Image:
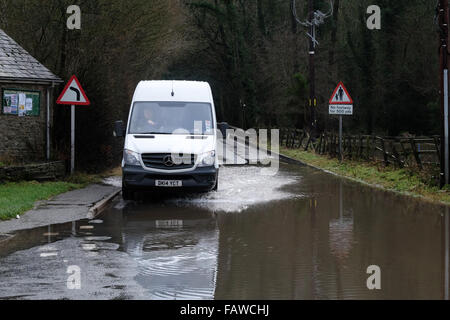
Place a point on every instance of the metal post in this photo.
(72, 144)
(341, 156)
(48, 124)
(447, 253)
(341, 203)
(446, 140)
(443, 43)
(312, 85)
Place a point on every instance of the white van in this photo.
(170, 139)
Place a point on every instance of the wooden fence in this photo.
(398, 151)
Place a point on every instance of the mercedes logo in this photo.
(168, 161)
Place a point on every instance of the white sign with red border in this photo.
(341, 103)
(73, 94)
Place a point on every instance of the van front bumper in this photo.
(136, 178)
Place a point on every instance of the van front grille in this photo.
(168, 161)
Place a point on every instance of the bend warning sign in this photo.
(340, 102)
(73, 94)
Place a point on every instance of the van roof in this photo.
(183, 91)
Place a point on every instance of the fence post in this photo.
(383, 146)
(336, 145)
(307, 143)
(294, 136)
(368, 148)
(288, 137)
(320, 143)
(396, 155)
(374, 147)
(416, 154)
(360, 147)
(349, 148)
(299, 135)
(329, 143)
(438, 149)
(405, 153)
(330, 147)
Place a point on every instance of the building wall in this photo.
(24, 139)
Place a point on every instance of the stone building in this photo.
(27, 97)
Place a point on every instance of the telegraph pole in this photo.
(315, 19)
(444, 92)
(312, 71)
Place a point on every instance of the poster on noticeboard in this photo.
(20, 102)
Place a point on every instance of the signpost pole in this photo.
(72, 144)
(74, 95)
(443, 41)
(446, 128)
(341, 156)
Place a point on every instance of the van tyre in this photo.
(127, 194)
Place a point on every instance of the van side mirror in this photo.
(119, 129)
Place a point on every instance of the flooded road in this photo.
(302, 234)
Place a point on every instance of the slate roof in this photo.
(17, 64)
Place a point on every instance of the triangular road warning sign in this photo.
(341, 95)
(73, 94)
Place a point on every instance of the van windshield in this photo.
(172, 118)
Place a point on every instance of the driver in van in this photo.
(149, 116)
(147, 122)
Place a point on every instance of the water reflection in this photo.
(176, 250)
(341, 231)
(447, 253)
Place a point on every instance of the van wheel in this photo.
(127, 194)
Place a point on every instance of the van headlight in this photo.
(207, 159)
(131, 158)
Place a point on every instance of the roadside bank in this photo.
(67, 207)
(19, 197)
(404, 181)
(16, 198)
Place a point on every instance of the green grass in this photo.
(17, 198)
(406, 181)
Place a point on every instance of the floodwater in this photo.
(302, 234)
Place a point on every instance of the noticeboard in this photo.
(21, 102)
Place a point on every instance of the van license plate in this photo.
(163, 224)
(169, 183)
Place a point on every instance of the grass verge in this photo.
(18, 198)
(406, 181)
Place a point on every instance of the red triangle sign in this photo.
(73, 94)
(341, 95)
